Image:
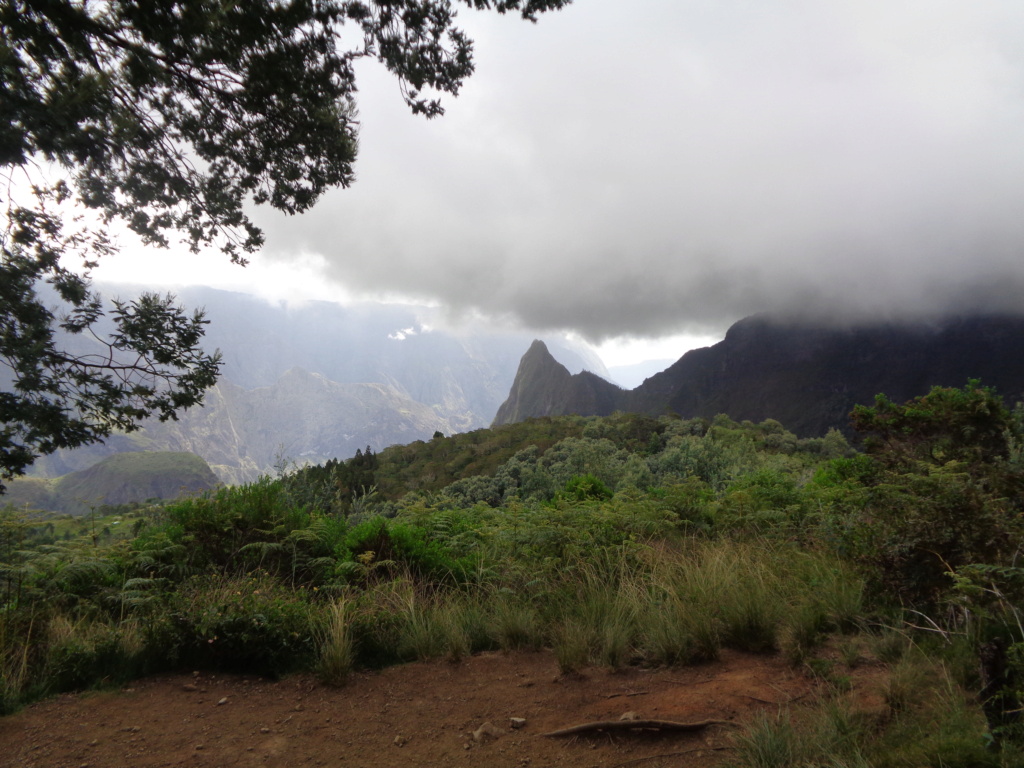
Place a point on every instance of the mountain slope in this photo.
(808, 377)
(122, 478)
(303, 417)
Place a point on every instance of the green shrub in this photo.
(243, 624)
(585, 488)
(408, 547)
(86, 653)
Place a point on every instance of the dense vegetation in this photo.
(613, 541)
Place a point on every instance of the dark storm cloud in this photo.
(652, 167)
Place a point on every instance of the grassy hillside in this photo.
(31, 493)
(433, 465)
(123, 478)
(615, 541)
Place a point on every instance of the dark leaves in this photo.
(150, 365)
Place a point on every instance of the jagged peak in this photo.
(538, 349)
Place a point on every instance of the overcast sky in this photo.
(660, 167)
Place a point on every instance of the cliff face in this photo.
(544, 387)
(807, 377)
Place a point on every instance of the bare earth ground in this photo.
(420, 714)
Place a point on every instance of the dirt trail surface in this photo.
(421, 714)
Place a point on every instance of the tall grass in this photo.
(335, 644)
(434, 626)
(770, 741)
(931, 721)
(830, 735)
(17, 639)
(739, 593)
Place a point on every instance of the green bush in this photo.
(241, 624)
(81, 662)
(585, 488)
(408, 547)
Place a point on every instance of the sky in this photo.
(643, 174)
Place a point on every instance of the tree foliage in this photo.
(971, 425)
(151, 364)
(169, 118)
(942, 490)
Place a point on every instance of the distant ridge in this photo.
(310, 382)
(806, 376)
(123, 478)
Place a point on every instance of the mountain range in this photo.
(307, 383)
(807, 376)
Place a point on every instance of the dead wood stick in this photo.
(628, 725)
(626, 693)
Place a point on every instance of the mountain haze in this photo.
(310, 382)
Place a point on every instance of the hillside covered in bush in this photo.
(620, 540)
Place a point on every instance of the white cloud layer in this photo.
(665, 166)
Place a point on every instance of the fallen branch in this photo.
(630, 725)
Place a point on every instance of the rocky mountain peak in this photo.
(806, 375)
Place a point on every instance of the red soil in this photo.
(420, 714)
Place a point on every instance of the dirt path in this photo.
(419, 714)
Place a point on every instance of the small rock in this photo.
(517, 722)
(264, 729)
(222, 702)
(400, 741)
(466, 745)
(631, 715)
(199, 746)
(189, 687)
(487, 731)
